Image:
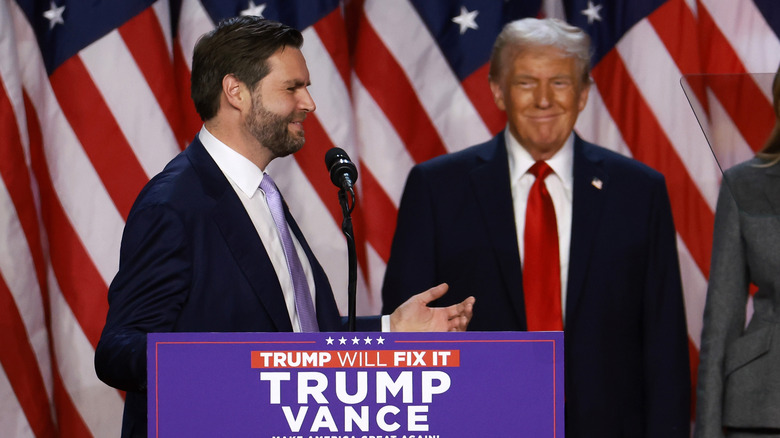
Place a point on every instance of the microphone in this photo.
(343, 173)
(342, 170)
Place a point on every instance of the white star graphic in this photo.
(380, 341)
(342, 340)
(592, 12)
(466, 20)
(367, 340)
(253, 10)
(329, 340)
(54, 15)
(355, 341)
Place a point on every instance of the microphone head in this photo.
(340, 166)
(333, 155)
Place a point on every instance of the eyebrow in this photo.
(297, 83)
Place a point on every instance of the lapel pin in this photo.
(597, 183)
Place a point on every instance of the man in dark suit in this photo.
(209, 246)
(613, 278)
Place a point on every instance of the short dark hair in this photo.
(240, 46)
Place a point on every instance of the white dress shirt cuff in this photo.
(385, 323)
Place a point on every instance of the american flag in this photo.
(94, 100)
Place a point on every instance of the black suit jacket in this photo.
(626, 345)
(191, 261)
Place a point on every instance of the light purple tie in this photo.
(303, 303)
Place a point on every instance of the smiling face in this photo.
(280, 102)
(542, 93)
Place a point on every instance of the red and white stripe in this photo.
(67, 216)
(26, 386)
(66, 187)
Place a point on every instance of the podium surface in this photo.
(360, 384)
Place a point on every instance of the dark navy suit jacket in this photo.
(626, 344)
(191, 261)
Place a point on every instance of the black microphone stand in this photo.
(346, 228)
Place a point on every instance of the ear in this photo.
(498, 95)
(235, 92)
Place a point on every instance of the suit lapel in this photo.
(492, 190)
(241, 237)
(591, 188)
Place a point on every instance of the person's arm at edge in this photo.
(145, 295)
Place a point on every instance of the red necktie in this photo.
(541, 264)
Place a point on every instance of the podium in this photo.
(356, 384)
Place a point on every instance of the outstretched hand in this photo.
(414, 315)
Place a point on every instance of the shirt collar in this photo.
(245, 174)
(520, 160)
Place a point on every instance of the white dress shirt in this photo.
(560, 185)
(245, 179)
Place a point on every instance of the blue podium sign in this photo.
(356, 385)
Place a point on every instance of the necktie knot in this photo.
(540, 170)
(268, 186)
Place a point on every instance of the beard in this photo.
(270, 129)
